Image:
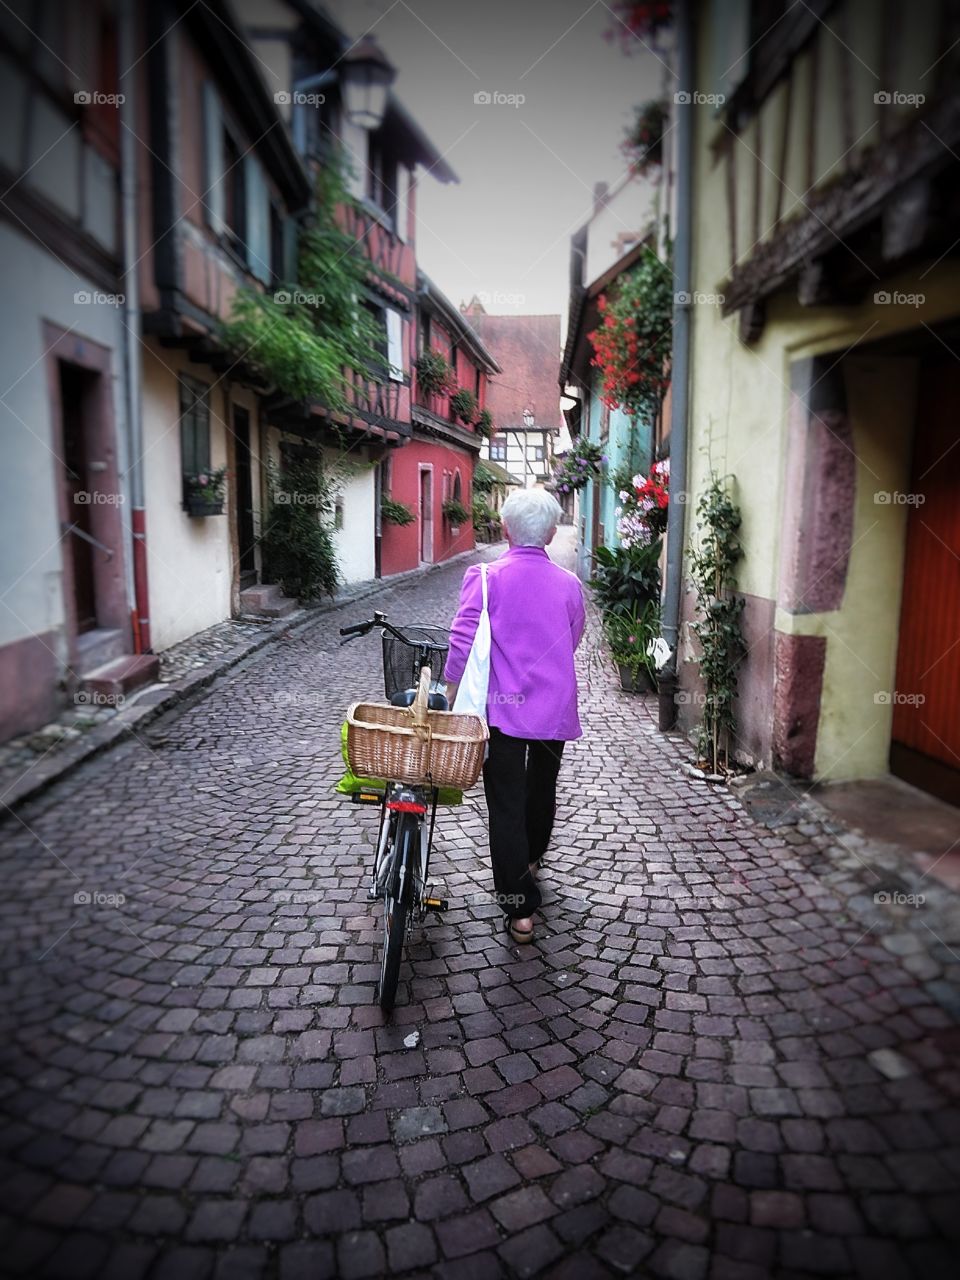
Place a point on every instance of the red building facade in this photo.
(435, 465)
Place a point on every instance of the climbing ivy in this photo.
(714, 558)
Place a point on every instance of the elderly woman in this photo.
(536, 621)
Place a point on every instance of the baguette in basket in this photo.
(416, 745)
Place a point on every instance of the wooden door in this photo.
(926, 714)
(81, 492)
(426, 515)
(246, 537)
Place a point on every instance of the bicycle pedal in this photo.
(435, 904)
(367, 797)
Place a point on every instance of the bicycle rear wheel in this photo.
(396, 902)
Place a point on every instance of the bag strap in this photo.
(483, 583)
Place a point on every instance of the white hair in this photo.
(530, 517)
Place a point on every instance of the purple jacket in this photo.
(536, 621)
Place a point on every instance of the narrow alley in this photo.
(708, 1066)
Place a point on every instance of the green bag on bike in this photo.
(350, 784)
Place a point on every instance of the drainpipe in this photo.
(131, 318)
(681, 365)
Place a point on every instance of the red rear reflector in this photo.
(406, 806)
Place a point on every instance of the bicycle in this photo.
(404, 840)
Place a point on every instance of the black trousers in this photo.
(520, 782)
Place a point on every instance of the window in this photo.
(457, 488)
(538, 453)
(395, 344)
(498, 451)
(379, 316)
(234, 195)
(382, 179)
(194, 426)
(604, 422)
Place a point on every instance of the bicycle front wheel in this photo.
(396, 901)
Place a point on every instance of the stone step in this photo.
(117, 679)
(266, 601)
(98, 647)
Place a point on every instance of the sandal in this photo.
(521, 936)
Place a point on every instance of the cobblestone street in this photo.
(707, 1066)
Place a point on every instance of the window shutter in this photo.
(395, 344)
(289, 269)
(212, 158)
(258, 219)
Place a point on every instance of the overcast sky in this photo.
(526, 172)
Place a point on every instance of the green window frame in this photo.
(194, 426)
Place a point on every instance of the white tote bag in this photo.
(471, 696)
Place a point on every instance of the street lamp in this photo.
(365, 78)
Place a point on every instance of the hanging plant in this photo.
(632, 345)
(644, 500)
(395, 512)
(434, 375)
(580, 464)
(456, 512)
(718, 627)
(643, 141)
(304, 338)
(463, 405)
(484, 424)
(639, 22)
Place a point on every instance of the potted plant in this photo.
(463, 405)
(203, 492)
(456, 513)
(395, 512)
(630, 637)
(433, 373)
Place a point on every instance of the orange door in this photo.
(926, 714)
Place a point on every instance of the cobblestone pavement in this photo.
(707, 1067)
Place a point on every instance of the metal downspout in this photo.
(131, 320)
(681, 362)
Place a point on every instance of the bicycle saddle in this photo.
(436, 701)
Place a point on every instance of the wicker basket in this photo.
(414, 745)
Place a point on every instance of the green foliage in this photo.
(626, 579)
(464, 405)
(483, 479)
(483, 513)
(484, 424)
(630, 635)
(395, 512)
(455, 511)
(718, 628)
(302, 337)
(434, 375)
(298, 546)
